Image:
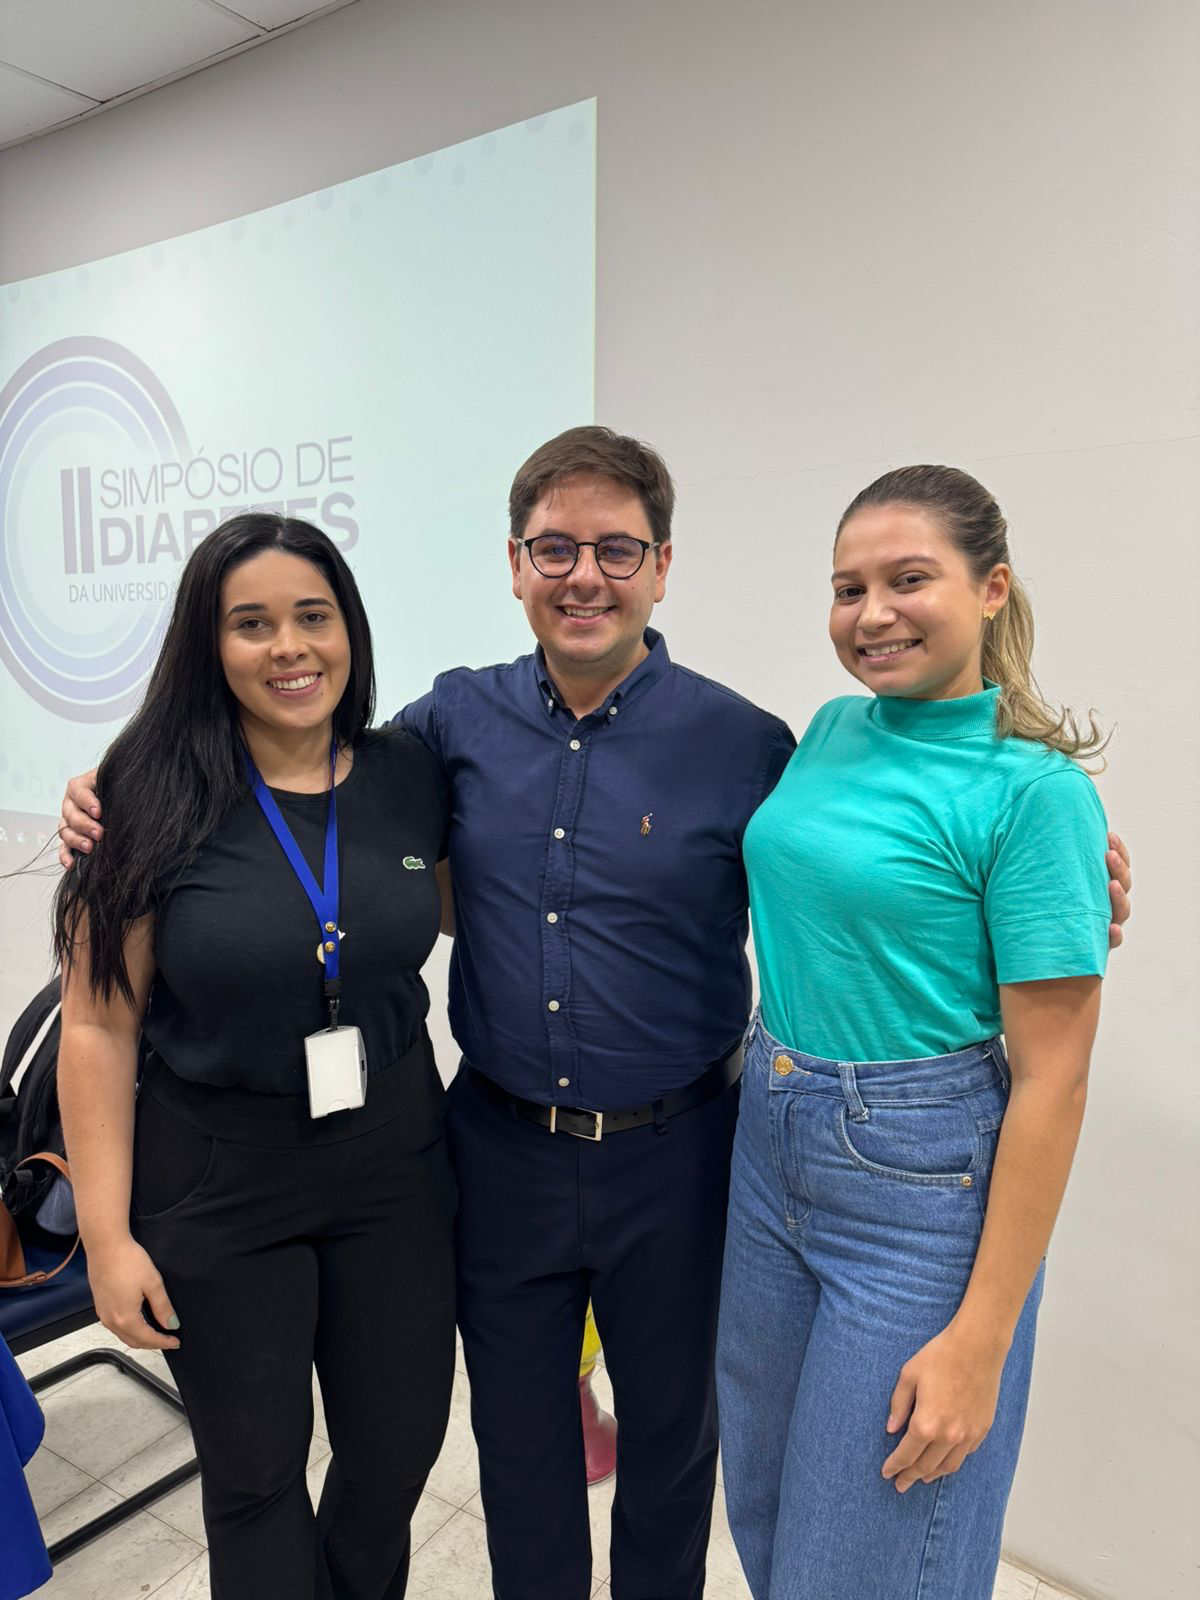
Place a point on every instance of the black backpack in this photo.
(29, 1115)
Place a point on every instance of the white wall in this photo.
(833, 238)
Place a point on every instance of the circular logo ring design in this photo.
(92, 681)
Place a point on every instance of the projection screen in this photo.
(377, 357)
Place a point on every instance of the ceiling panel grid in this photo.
(63, 59)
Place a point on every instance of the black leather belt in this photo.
(593, 1125)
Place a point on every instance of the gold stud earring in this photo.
(988, 615)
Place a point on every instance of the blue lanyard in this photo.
(323, 898)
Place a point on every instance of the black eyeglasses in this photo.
(618, 555)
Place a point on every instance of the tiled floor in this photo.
(105, 1439)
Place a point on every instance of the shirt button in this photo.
(552, 916)
(549, 705)
(612, 711)
(560, 833)
(564, 1083)
(552, 1006)
(575, 745)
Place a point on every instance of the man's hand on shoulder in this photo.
(79, 827)
(1119, 888)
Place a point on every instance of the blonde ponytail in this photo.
(1023, 712)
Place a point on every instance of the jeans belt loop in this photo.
(854, 1101)
(996, 1051)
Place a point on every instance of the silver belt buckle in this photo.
(592, 1138)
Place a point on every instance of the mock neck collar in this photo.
(644, 675)
(970, 716)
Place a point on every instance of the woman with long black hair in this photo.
(270, 1202)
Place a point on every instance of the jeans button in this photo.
(783, 1065)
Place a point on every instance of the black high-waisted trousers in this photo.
(285, 1242)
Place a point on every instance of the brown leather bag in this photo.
(14, 1271)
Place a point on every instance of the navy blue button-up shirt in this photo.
(600, 899)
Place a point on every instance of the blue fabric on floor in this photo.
(24, 1564)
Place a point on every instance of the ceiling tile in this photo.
(274, 13)
(104, 48)
(27, 106)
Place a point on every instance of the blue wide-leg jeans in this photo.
(856, 1207)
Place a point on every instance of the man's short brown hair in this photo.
(605, 454)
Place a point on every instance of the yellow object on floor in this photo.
(591, 1345)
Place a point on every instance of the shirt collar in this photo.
(970, 716)
(644, 676)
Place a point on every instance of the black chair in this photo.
(38, 1315)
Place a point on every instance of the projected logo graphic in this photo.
(103, 499)
(81, 647)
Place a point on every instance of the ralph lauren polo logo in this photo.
(647, 823)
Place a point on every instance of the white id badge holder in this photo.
(337, 1071)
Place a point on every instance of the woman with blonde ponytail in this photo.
(928, 875)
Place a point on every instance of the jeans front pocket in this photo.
(935, 1143)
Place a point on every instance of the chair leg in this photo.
(71, 1542)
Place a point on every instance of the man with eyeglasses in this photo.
(599, 989)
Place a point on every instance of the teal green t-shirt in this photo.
(906, 864)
